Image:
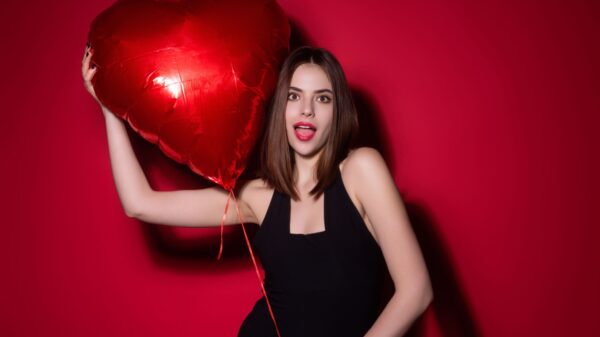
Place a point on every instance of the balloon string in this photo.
(223, 224)
(254, 261)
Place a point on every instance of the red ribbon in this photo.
(262, 287)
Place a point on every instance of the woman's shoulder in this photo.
(256, 195)
(362, 158)
(360, 171)
(363, 167)
(256, 184)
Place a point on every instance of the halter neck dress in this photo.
(319, 284)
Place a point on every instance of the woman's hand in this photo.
(87, 72)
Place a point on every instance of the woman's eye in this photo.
(292, 96)
(324, 99)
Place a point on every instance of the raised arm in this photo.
(191, 208)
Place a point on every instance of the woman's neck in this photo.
(305, 175)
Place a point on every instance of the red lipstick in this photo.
(304, 131)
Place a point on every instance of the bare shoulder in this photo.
(362, 165)
(371, 187)
(388, 221)
(363, 158)
(359, 169)
(256, 195)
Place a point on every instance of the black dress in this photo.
(319, 284)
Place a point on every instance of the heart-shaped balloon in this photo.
(192, 76)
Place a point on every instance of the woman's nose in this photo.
(307, 109)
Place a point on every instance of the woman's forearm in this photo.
(399, 314)
(130, 181)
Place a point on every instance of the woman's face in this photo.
(309, 110)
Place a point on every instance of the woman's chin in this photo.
(306, 151)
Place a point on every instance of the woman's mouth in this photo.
(304, 131)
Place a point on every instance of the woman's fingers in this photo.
(88, 80)
(87, 71)
(88, 75)
(86, 52)
(85, 63)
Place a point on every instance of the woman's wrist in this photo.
(107, 113)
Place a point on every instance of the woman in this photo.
(331, 220)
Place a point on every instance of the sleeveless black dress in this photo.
(326, 283)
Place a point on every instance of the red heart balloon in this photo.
(191, 76)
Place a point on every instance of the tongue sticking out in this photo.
(304, 133)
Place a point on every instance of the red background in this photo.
(486, 112)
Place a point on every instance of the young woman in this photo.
(331, 220)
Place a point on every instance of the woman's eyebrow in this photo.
(317, 91)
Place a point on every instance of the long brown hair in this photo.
(277, 158)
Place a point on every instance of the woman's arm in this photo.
(376, 191)
(198, 208)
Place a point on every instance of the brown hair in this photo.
(277, 157)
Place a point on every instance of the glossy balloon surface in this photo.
(193, 77)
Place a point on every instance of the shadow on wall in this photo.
(452, 312)
(450, 308)
(372, 132)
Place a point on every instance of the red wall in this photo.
(486, 112)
